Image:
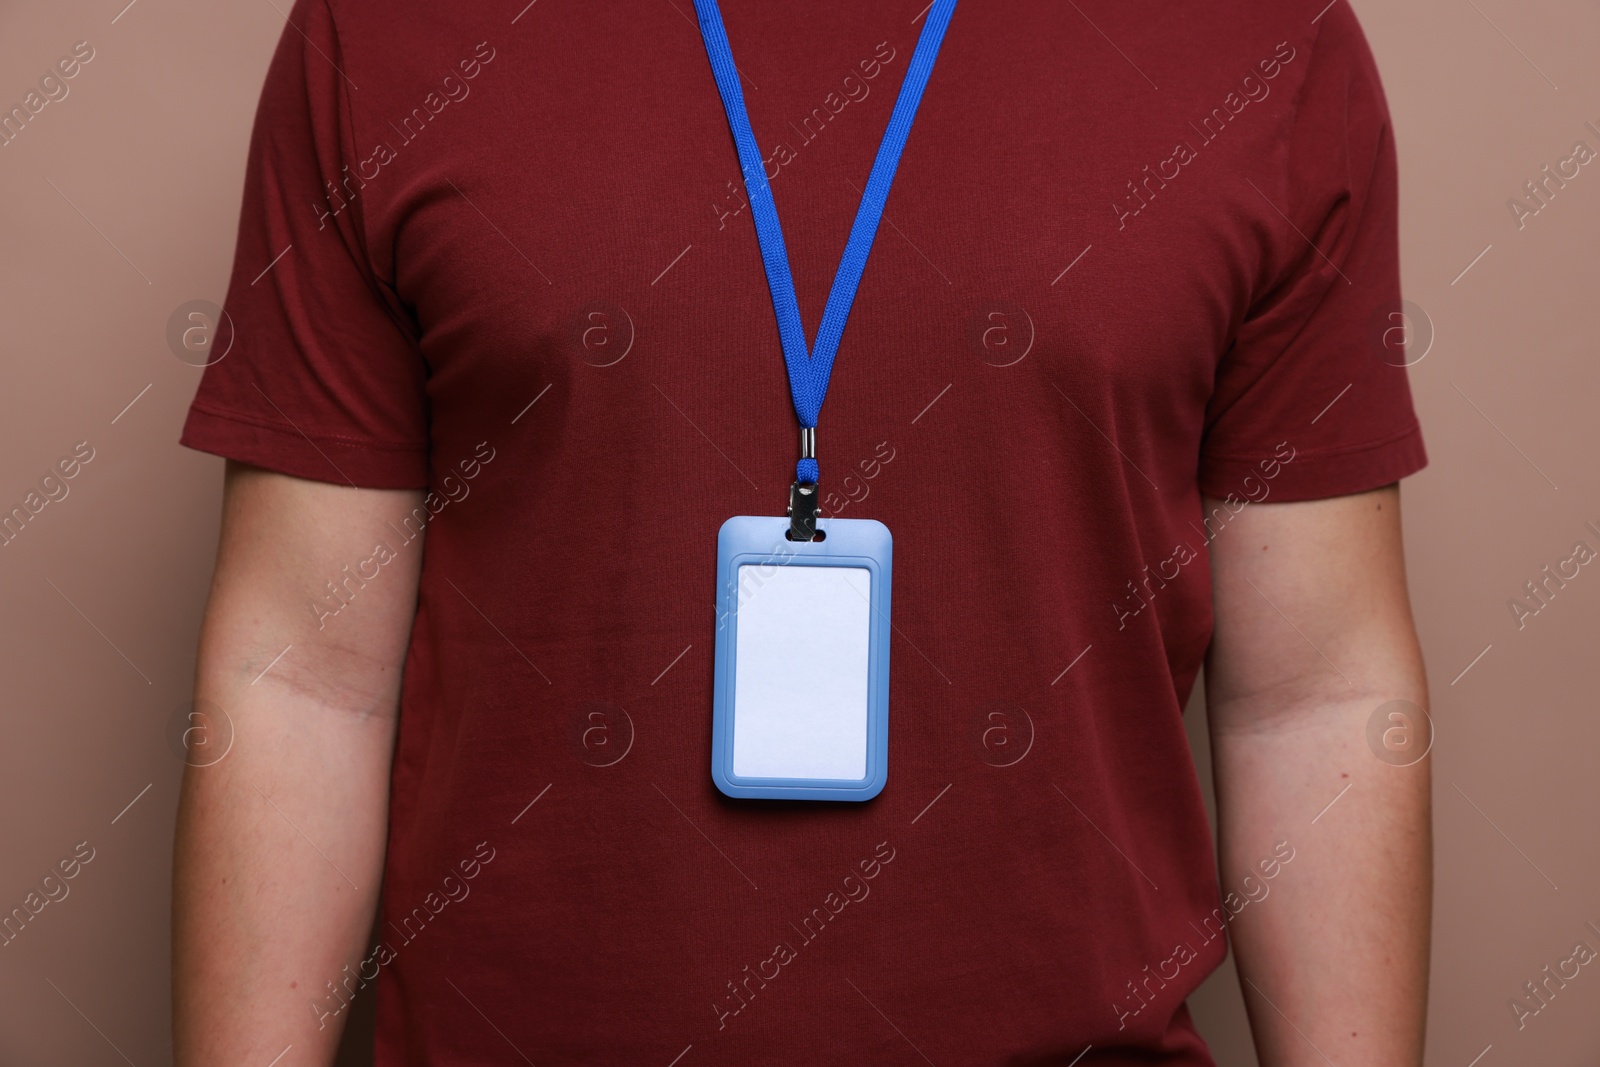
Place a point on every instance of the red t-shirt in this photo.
(533, 287)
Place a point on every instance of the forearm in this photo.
(1333, 949)
(279, 859)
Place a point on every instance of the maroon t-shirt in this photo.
(1134, 254)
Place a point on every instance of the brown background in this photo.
(103, 591)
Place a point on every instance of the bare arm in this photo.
(1313, 634)
(280, 843)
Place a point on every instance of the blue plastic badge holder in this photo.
(801, 708)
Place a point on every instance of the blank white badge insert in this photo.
(800, 672)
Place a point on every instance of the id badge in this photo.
(801, 709)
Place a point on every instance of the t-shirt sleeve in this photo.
(322, 376)
(1313, 390)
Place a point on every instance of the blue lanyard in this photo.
(808, 373)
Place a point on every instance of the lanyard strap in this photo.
(809, 372)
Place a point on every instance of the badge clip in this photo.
(803, 495)
(803, 511)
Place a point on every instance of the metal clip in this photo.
(803, 511)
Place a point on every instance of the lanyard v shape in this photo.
(809, 371)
